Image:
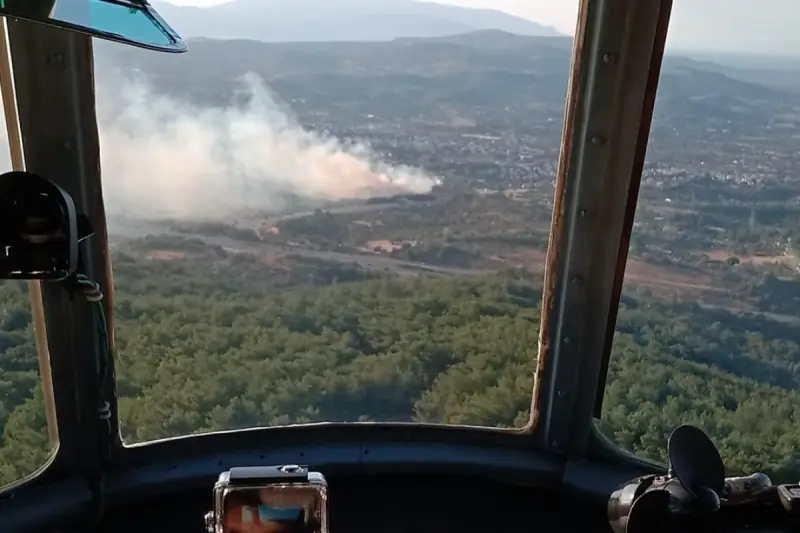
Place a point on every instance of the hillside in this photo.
(337, 20)
(409, 76)
(209, 340)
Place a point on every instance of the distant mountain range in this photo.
(407, 77)
(338, 20)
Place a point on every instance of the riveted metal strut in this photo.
(616, 61)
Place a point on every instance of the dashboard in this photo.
(394, 504)
(357, 503)
(399, 487)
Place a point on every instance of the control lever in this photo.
(789, 496)
(754, 488)
(692, 487)
(694, 495)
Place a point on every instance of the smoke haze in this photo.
(165, 158)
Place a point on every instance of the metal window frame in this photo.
(15, 148)
(619, 43)
(616, 62)
(53, 77)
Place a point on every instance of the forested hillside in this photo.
(220, 341)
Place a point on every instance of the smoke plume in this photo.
(178, 159)
(165, 158)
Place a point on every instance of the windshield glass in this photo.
(708, 332)
(319, 230)
(28, 435)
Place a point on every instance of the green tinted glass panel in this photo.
(121, 21)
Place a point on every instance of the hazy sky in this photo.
(559, 13)
(765, 26)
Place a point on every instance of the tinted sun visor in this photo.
(132, 22)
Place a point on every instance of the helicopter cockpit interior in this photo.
(286, 405)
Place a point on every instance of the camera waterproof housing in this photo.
(269, 499)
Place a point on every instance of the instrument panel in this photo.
(393, 504)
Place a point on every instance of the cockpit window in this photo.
(28, 434)
(333, 231)
(707, 332)
(24, 442)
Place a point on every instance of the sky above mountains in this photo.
(740, 26)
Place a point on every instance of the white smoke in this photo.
(177, 159)
(163, 157)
